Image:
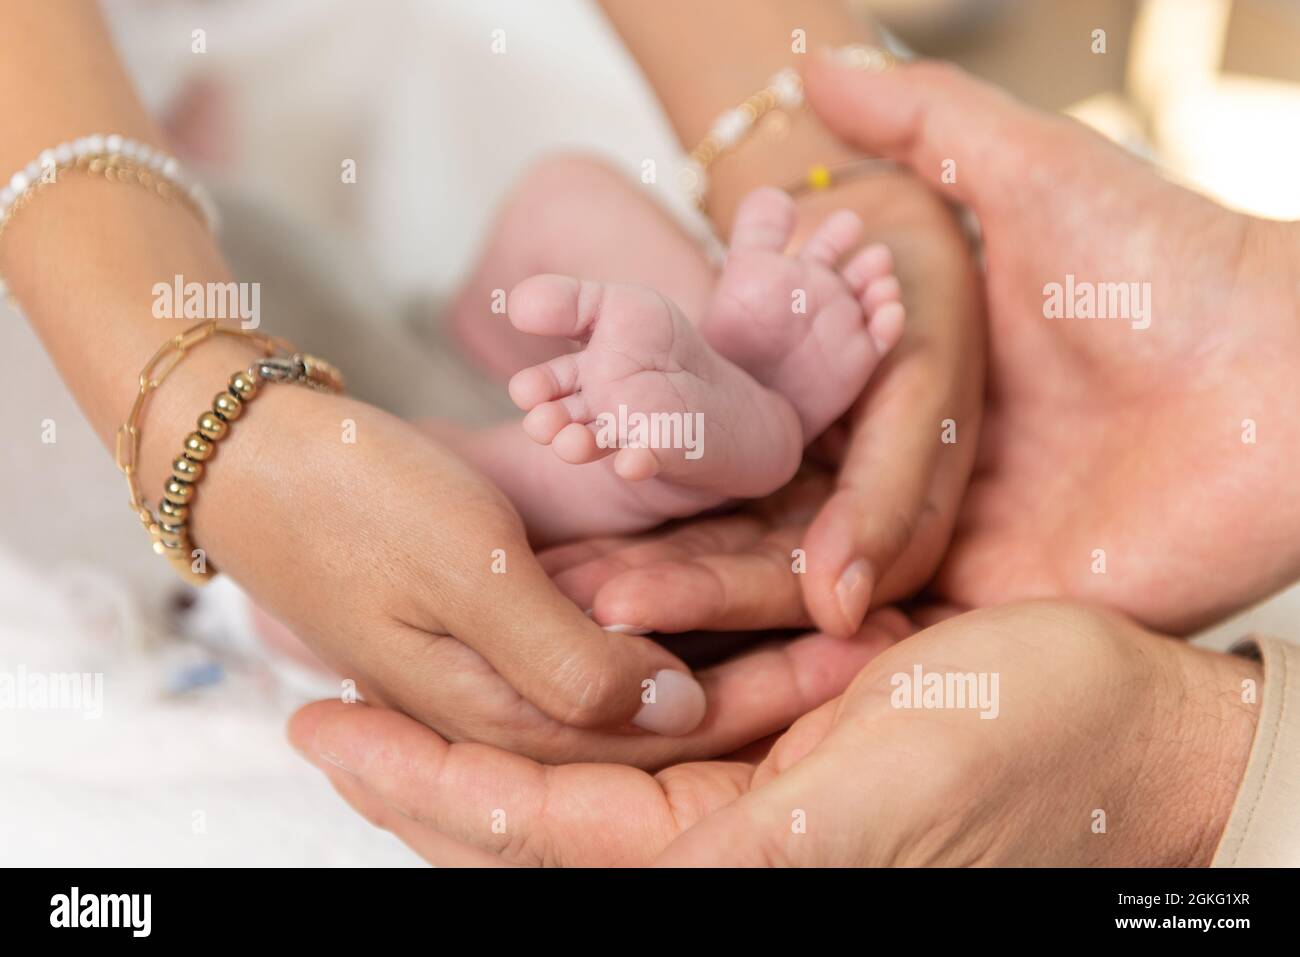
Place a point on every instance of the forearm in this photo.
(704, 58)
(82, 258)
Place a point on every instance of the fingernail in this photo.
(853, 592)
(676, 707)
(627, 629)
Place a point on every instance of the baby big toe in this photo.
(550, 305)
(764, 221)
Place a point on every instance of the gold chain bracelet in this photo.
(168, 531)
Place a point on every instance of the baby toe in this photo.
(636, 465)
(882, 291)
(833, 239)
(550, 305)
(542, 383)
(765, 221)
(874, 262)
(885, 326)
(544, 422)
(576, 444)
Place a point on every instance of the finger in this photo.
(498, 601)
(435, 848)
(961, 134)
(757, 588)
(560, 558)
(764, 221)
(865, 525)
(833, 239)
(727, 575)
(495, 801)
(751, 695)
(582, 568)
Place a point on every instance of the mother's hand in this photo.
(1105, 744)
(410, 574)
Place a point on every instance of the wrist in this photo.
(1200, 754)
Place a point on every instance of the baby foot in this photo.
(795, 323)
(709, 425)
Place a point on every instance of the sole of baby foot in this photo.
(647, 389)
(799, 324)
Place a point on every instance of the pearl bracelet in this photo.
(784, 90)
(115, 157)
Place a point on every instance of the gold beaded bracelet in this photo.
(168, 531)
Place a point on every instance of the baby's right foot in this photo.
(796, 323)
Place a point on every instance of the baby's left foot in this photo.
(648, 388)
(798, 324)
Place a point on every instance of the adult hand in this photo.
(887, 522)
(1132, 466)
(410, 574)
(1131, 460)
(1104, 744)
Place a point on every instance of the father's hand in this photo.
(1103, 744)
(1132, 460)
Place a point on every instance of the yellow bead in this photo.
(198, 447)
(819, 177)
(212, 426)
(178, 492)
(227, 406)
(243, 385)
(172, 513)
(187, 470)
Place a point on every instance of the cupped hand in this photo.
(906, 449)
(1084, 740)
(1131, 460)
(410, 575)
(1136, 466)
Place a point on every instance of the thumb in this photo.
(955, 131)
(559, 659)
(808, 815)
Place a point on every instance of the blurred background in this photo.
(188, 764)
